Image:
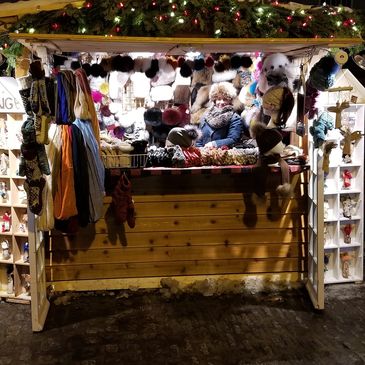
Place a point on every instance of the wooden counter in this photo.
(190, 223)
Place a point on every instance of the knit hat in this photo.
(266, 138)
(222, 89)
(272, 99)
(183, 137)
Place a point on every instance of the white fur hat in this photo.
(180, 80)
(166, 74)
(161, 93)
(227, 75)
(222, 89)
(117, 80)
(141, 84)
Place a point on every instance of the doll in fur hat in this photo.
(278, 103)
(220, 125)
(269, 142)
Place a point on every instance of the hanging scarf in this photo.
(219, 117)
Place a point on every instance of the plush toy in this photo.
(5, 246)
(320, 127)
(349, 206)
(327, 149)
(269, 142)
(26, 283)
(346, 258)
(346, 179)
(347, 229)
(278, 103)
(348, 138)
(276, 71)
(326, 207)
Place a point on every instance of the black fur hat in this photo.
(152, 71)
(153, 117)
(122, 63)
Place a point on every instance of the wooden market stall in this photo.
(193, 223)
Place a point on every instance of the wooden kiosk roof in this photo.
(179, 45)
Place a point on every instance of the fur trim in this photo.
(222, 89)
(224, 76)
(202, 98)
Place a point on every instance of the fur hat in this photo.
(153, 117)
(176, 116)
(151, 72)
(227, 75)
(166, 74)
(266, 138)
(161, 93)
(182, 94)
(183, 137)
(222, 89)
(122, 63)
(117, 80)
(203, 76)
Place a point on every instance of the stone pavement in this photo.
(147, 327)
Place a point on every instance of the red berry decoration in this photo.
(88, 4)
(55, 26)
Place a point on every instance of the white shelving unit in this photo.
(15, 270)
(342, 237)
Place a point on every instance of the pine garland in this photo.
(218, 18)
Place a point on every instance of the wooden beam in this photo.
(21, 8)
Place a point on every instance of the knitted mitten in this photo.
(131, 218)
(42, 159)
(122, 199)
(25, 94)
(34, 189)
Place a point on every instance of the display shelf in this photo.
(343, 213)
(14, 209)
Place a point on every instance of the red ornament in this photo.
(275, 3)
(196, 21)
(117, 29)
(217, 8)
(55, 26)
(174, 6)
(120, 5)
(289, 18)
(88, 4)
(186, 13)
(154, 3)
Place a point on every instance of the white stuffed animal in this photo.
(277, 70)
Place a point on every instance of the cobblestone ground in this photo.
(147, 328)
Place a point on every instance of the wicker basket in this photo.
(124, 161)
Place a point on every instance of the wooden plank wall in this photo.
(190, 233)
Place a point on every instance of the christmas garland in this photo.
(218, 18)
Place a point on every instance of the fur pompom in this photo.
(284, 189)
(193, 131)
(257, 129)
